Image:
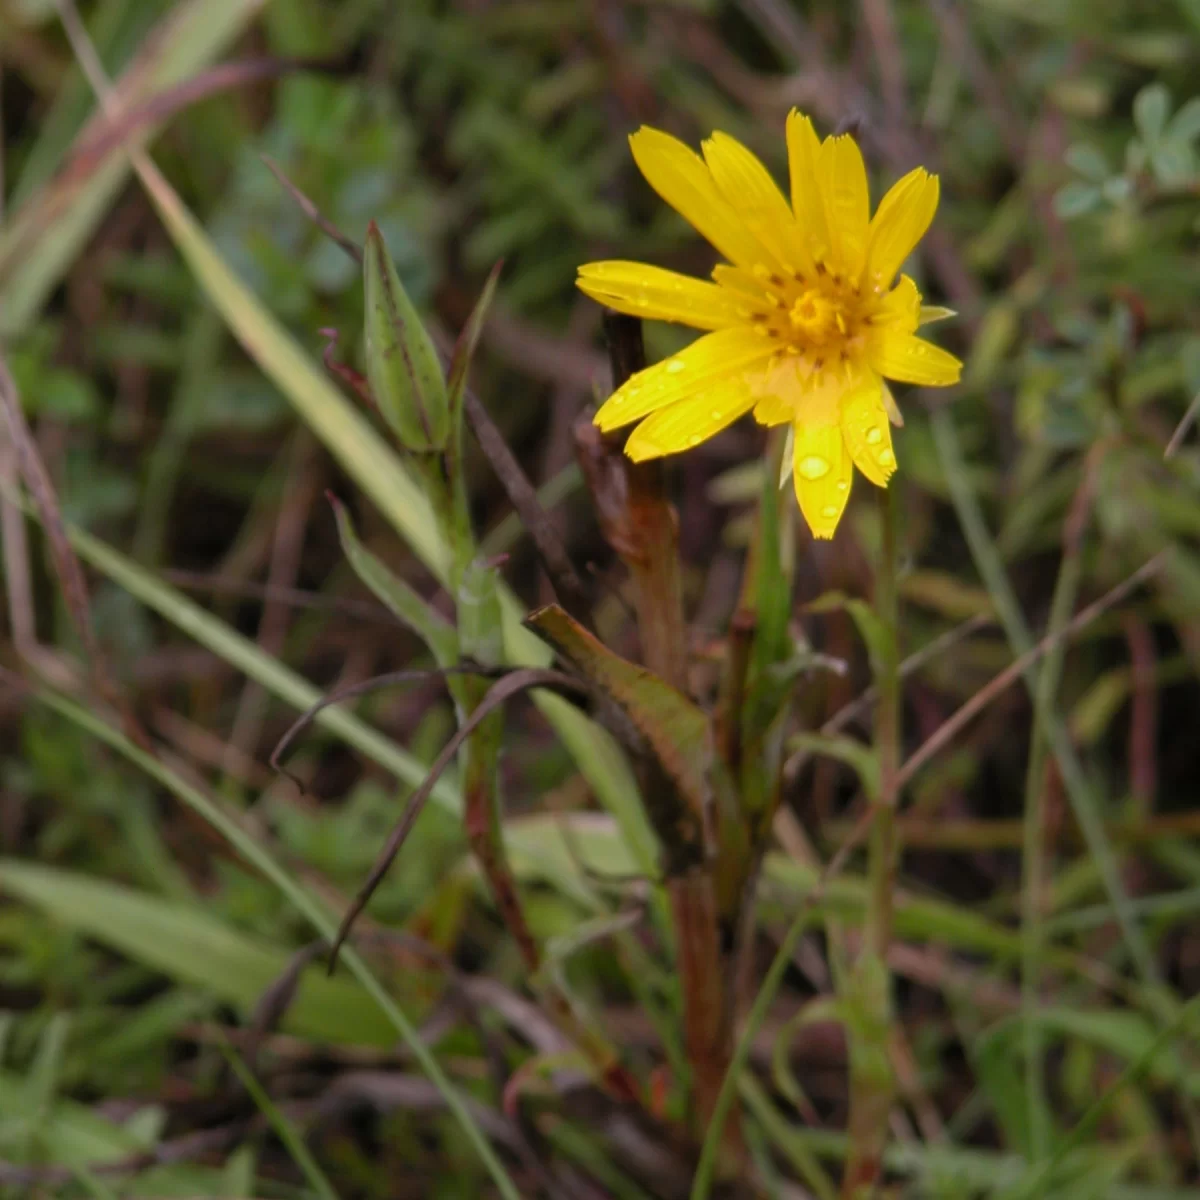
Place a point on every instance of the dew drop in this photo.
(813, 467)
(760, 272)
(886, 458)
(830, 510)
(675, 366)
(842, 485)
(716, 414)
(874, 436)
(695, 440)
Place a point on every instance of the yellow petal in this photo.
(776, 386)
(899, 224)
(748, 187)
(822, 472)
(910, 359)
(867, 433)
(890, 406)
(900, 308)
(683, 180)
(803, 150)
(843, 178)
(715, 358)
(687, 423)
(658, 295)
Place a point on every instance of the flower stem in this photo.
(872, 1086)
(639, 523)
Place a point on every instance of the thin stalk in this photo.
(1033, 884)
(640, 524)
(872, 1085)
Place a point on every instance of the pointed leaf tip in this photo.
(403, 368)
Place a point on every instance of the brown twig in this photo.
(865, 700)
(512, 684)
(313, 213)
(954, 724)
(112, 132)
(522, 495)
(306, 718)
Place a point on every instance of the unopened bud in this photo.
(402, 365)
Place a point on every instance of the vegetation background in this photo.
(152, 1040)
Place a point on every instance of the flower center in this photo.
(816, 317)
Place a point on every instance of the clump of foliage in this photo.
(849, 868)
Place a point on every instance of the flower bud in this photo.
(402, 365)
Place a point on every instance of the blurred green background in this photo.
(136, 945)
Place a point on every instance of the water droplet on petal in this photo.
(842, 485)
(716, 414)
(675, 366)
(695, 440)
(886, 458)
(830, 510)
(813, 466)
(874, 436)
(633, 391)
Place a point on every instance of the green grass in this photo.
(161, 302)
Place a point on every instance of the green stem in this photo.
(872, 1086)
(1066, 590)
(887, 735)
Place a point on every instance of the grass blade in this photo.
(317, 917)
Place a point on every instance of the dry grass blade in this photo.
(66, 565)
(512, 684)
(162, 105)
(45, 234)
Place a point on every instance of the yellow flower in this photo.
(807, 319)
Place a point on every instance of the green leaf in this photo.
(1173, 163)
(1150, 108)
(423, 619)
(192, 947)
(1076, 198)
(677, 730)
(874, 633)
(1185, 124)
(862, 759)
(403, 367)
(468, 341)
(1086, 160)
(477, 603)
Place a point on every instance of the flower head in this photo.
(806, 317)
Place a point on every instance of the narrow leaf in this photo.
(402, 364)
(676, 729)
